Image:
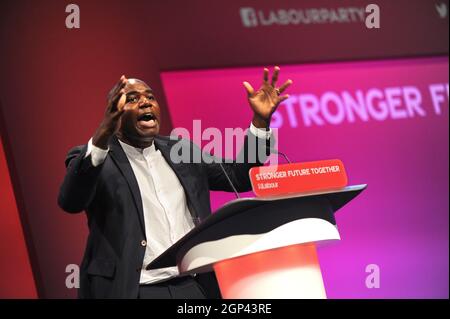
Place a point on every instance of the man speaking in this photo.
(139, 202)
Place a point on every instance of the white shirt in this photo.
(166, 213)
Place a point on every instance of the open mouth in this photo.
(147, 120)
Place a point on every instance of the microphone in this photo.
(271, 149)
(277, 152)
(229, 179)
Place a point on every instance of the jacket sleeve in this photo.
(78, 187)
(254, 152)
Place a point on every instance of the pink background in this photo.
(400, 223)
(55, 80)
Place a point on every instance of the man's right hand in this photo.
(114, 110)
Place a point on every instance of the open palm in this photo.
(266, 99)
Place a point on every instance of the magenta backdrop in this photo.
(55, 80)
(400, 223)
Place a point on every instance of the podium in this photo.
(263, 247)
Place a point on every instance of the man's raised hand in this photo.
(114, 110)
(266, 99)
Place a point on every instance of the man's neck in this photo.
(138, 142)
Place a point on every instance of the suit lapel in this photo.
(120, 158)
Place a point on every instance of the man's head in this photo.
(141, 119)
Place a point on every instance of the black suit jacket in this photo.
(110, 195)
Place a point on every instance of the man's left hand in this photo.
(266, 99)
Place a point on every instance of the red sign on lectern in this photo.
(297, 178)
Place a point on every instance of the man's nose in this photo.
(144, 103)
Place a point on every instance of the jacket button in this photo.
(143, 243)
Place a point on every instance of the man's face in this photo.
(141, 119)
